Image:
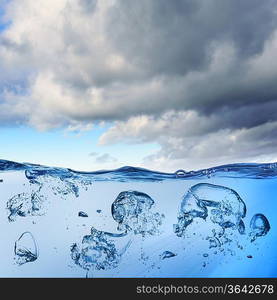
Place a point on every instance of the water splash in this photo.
(61, 181)
(34, 172)
(25, 249)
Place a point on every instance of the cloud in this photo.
(187, 74)
(79, 128)
(104, 158)
(189, 140)
(93, 153)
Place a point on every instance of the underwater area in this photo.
(132, 222)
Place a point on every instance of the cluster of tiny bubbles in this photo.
(208, 172)
(97, 251)
(273, 165)
(223, 210)
(25, 204)
(132, 211)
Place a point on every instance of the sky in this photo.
(165, 85)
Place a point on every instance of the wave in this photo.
(128, 173)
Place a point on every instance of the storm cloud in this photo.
(196, 77)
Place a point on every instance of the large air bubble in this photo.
(222, 205)
(218, 210)
(25, 249)
(98, 251)
(259, 225)
(132, 210)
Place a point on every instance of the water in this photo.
(131, 222)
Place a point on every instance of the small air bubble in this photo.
(168, 254)
(180, 173)
(82, 214)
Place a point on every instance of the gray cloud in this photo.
(88, 6)
(190, 140)
(105, 158)
(176, 37)
(93, 153)
(220, 147)
(183, 73)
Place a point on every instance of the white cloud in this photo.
(105, 158)
(79, 128)
(191, 141)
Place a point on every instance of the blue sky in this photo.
(91, 84)
(66, 149)
(3, 23)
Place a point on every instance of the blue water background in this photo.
(60, 226)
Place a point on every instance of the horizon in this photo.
(126, 167)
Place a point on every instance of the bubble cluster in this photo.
(60, 184)
(222, 212)
(97, 251)
(25, 204)
(223, 206)
(132, 211)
